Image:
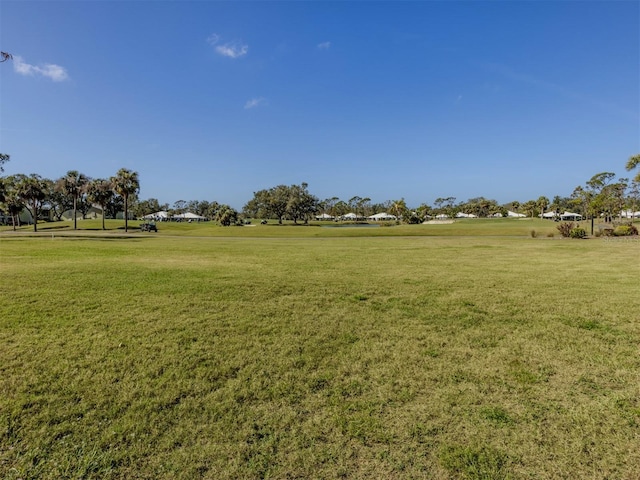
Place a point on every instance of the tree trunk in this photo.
(35, 217)
(126, 214)
(75, 214)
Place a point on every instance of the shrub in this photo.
(577, 232)
(550, 234)
(607, 230)
(413, 219)
(565, 228)
(534, 234)
(625, 230)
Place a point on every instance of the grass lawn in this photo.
(461, 227)
(392, 352)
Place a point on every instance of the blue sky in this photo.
(215, 100)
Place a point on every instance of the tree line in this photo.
(77, 193)
(74, 191)
(601, 196)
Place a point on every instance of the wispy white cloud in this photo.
(233, 49)
(213, 39)
(324, 46)
(49, 70)
(255, 102)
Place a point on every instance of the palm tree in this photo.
(556, 204)
(227, 215)
(73, 184)
(543, 203)
(632, 163)
(399, 209)
(126, 183)
(100, 191)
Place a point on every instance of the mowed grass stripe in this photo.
(343, 357)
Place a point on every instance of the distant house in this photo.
(95, 211)
(160, 216)
(629, 214)
(189, 216)
(382, 216)
(351, 216)
(570, 217)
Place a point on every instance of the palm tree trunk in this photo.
(126, 214)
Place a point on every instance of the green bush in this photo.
(534, 234)
(625, 230)
(577, 232)
(565, 228)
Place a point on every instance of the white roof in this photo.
(382, 216)
(161, 214)
(190, 215)
(324, 215)
(629, 214)
(350, 215)
(514, 214)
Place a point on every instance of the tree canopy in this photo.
(632, 163)
(294, 202)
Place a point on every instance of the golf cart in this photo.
(148, 227)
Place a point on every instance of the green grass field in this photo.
(472, 227)
(470, 351)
